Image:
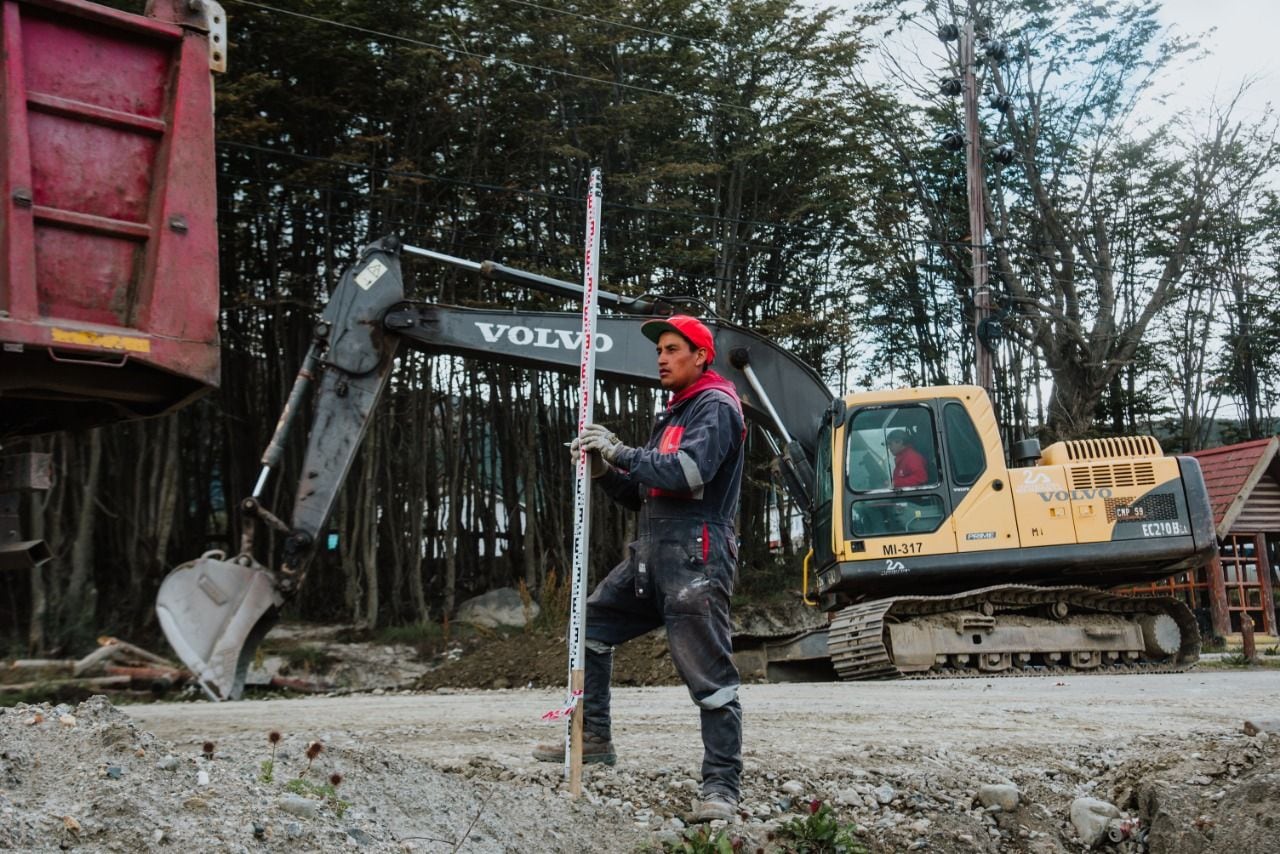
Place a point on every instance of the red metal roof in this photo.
(1231, 472)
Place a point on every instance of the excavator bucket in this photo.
(214, 613)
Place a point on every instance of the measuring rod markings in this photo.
(582, 485)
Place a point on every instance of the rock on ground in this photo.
(1091, 817)
(501, 607)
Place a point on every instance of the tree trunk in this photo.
(81, 597)
(366, 512)
(350, 554)
(529, 474)
(36, 632)
(166, 496)
(453, 499)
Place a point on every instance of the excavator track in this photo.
(860, 646)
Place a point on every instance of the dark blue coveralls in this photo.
(680, 572)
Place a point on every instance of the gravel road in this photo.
(902, 760)
(802, 721)
(982, 765)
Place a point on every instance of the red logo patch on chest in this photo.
(670, 442)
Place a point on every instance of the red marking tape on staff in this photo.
(564, 712)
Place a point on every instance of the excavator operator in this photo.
(680, 572)
(908, 465)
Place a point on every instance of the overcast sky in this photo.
(1243, 45)
(1245, 42)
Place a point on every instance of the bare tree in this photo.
(1094, 223)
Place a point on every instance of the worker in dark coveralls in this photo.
(680, 572)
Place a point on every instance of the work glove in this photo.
(599, 468)
(599, 439)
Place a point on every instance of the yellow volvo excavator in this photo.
(983, 568)
(930, 553)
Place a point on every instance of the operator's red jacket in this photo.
(909, 468)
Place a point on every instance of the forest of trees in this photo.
(777, 160)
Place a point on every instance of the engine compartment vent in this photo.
(1112, 475)
(1091, 450)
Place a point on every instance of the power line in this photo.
(525, 66)
(420, 205)
(621, 24)
(647, 90)
(705, 99)
(818, 231)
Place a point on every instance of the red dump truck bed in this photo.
(108, 233)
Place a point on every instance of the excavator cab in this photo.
(921, 496)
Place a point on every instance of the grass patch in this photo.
(553, 617)
(819, 832)
(30, 696)
(309, 659)
(411, 635)
(1213, 643)
(52, 692)
(426, 638)
(700, 840)
(320, 791)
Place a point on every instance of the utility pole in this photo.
(984, 370)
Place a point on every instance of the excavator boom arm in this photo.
(551, 341)
(215, 611)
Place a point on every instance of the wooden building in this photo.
(1244, 492)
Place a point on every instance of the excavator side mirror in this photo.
(1025, 452)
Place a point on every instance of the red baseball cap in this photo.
(692, 329)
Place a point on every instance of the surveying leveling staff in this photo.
(680, 572)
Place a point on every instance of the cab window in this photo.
(824, 486)
(896, 514)
(891, 448)
(964, 447)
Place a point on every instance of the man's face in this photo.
(896, 446)
(679, 365)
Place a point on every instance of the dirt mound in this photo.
(536, 659)
(1221, 797)
(785, 615)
